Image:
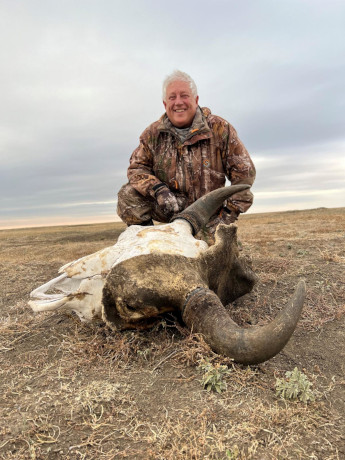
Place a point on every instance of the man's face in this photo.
(180, 105)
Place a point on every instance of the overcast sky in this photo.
(80, 80)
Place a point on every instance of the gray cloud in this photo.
(81, 80)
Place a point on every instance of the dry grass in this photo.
(79, 391)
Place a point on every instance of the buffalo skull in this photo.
(163, 268)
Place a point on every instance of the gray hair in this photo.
(178, 75)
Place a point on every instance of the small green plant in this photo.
(295, 386)
(213, 376)
(145, 353)
(233, 453)
(302, 252)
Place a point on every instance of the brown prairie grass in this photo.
(71, 390)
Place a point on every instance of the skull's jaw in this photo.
(82, 296)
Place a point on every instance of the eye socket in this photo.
(129, 307)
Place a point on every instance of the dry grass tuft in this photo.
(76, 391)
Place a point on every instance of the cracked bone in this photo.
(79, 286)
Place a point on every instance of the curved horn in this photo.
(199, 213)
(203, 312)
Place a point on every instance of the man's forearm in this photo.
(140, 171)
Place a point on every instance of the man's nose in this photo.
(178, 100)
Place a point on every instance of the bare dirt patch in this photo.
(80, 391)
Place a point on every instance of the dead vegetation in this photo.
(80, 391)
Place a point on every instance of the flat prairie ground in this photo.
(71, 390)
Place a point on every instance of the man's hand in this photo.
(166, 200)
(181, 201)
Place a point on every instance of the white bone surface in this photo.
(80, 284)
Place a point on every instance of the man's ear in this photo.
(165, 104)
(197, 100)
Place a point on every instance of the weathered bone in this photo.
(79, 286)
(152, 270)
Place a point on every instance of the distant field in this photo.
(71, 390)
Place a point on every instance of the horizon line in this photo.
(116, 219)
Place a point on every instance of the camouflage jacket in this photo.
(200, 164)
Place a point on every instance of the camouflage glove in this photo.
(165, 199)
(181, 201)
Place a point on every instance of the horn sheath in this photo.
(204, 313)
(199, 213)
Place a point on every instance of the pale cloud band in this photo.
(82, 80)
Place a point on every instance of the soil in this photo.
(72, 390)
